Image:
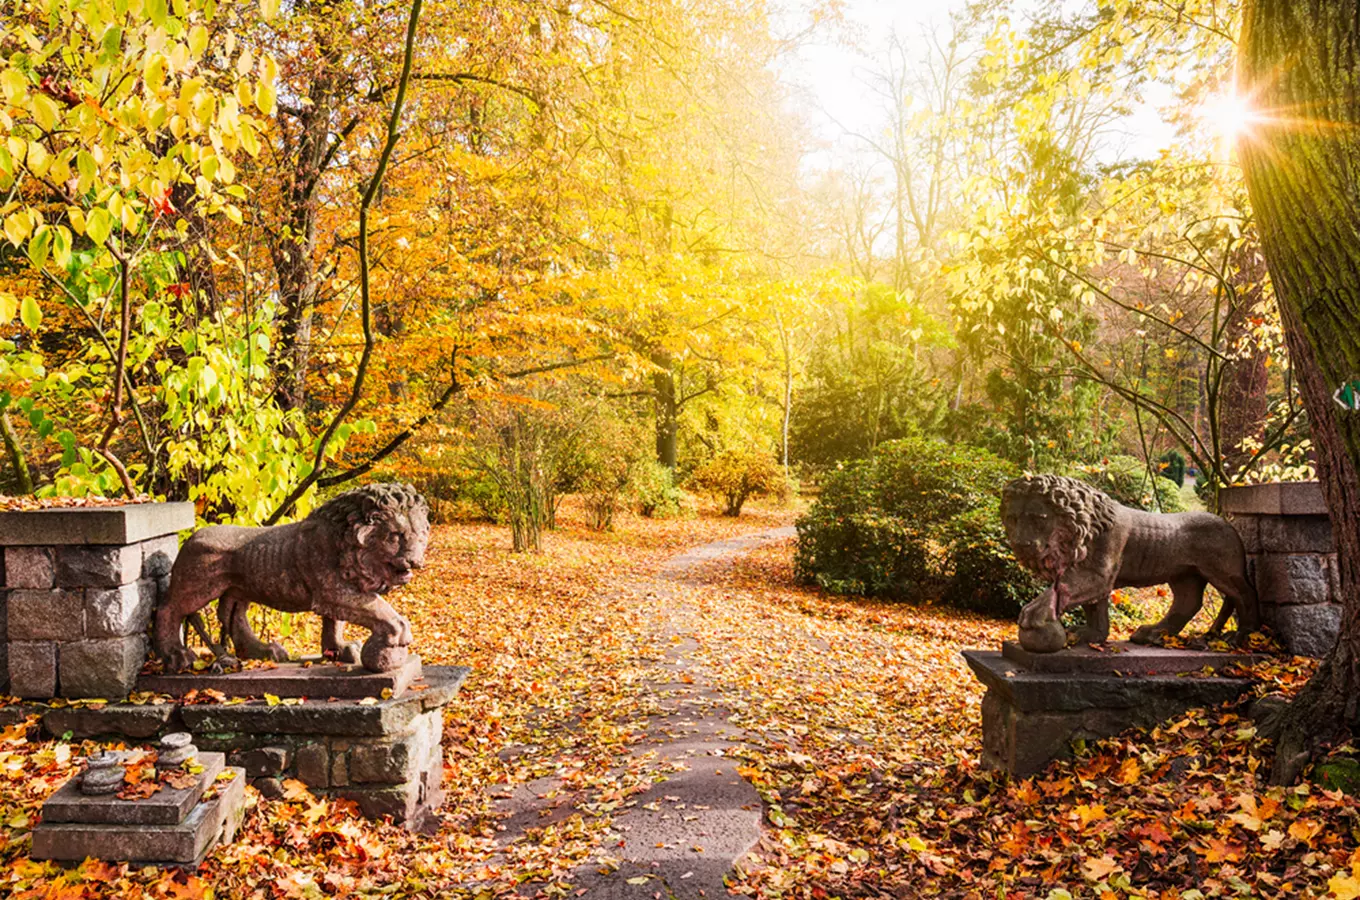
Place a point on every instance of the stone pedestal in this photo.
(171, 827)
(385, 754)
(80, 585)
(1038, 704)
(1292, 558)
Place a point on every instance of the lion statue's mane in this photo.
(1085, 513)
(355, 510)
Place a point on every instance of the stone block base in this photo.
(1031, 718)
(77, 589)
(385, 755)
(210, 822)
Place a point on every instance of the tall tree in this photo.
(1300, 59)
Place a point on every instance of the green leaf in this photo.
(157, 12)
(111, 43)
(46, 112)
(30, 313)
(98, 224)
(38, 246)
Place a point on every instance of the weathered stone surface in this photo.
(1125, 658)
(1296, 534)
(401, 802)
(270, 788)
(338, 718)
(30, 567)
(384, 763)
(33, 669)
(94, 525)
(120, 611)
(50, 615)
(210, 822)
(339, 770)
(98, 566)
(1286, 498)
(1248, 528)
(262, 761)
(313, 765)
(168, 806)
(1289, 579)
(101, 668)
(158, 555)
(122, 719)
(1307, 630)
(316, 681)
(1031, 718)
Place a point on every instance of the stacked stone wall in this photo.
(1291, 556)
(74, 611)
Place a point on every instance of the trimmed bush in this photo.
(1171, 466)
(1126, 479)
(918, 520)
(984, 575)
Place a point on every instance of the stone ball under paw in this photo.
(380, 656)
(1049, 637)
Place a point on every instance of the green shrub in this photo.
(1126, 479)
(736, 476)
(1171, 466)
(984, 575)
(655, 492)
(919, 519)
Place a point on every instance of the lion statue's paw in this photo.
(1049, 637)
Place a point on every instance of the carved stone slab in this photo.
(168, 806)
(210, 822)
(318, 681)
(129, 524)
(1123, 657)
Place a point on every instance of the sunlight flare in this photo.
(1229, 115)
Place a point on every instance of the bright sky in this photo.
(832, 75)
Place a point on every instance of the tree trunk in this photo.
(667, 419)
(1244, 403)
(294, 245)
(1300, 59)
(23, 478)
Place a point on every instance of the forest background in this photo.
(508, 251)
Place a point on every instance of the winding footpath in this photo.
(680, 839)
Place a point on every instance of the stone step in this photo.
(311, 679)
(209, 823)
(1124, 657)
(168, 806)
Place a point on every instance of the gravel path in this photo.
(681, 838)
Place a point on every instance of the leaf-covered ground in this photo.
(860, 731)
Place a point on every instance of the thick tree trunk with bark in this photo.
(1300, 59)
(1244, 406)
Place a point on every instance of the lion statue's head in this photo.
(1051, 520)
(382, 531)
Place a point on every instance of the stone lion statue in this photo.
(337, 562)
(1086, 545)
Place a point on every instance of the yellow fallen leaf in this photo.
(1344, 887)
